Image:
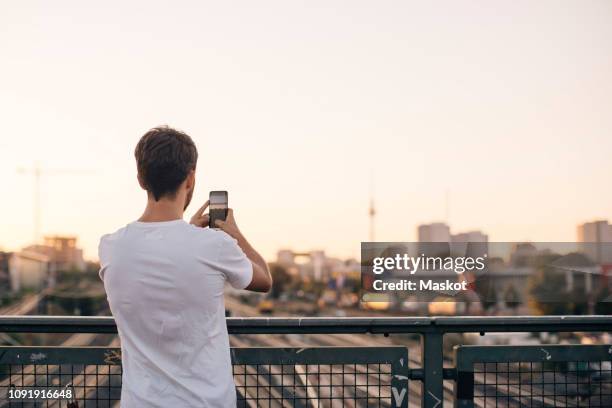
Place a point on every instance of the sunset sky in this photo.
(296, 105)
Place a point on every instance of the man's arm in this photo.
(262, 279)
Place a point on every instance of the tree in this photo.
(548, 287)
(485, 289)
(603, 303)
(280, 280)
(511, 297)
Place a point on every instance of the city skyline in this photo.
(295, 121)
(591, 231)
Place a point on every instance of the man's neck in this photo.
(162, 210)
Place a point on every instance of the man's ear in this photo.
(190, 182)
(142, 185)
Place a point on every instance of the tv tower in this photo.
(372, 211)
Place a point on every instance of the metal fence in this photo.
(322, 376)
(89, 376)
(500, 376)
(534, 376)
(265, 377)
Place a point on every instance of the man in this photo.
(164, 281)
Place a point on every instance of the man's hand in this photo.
(229, 225)
(262, 279)
(200, 219)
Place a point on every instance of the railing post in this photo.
(432, 391)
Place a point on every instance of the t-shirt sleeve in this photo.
(103, 255)
(234, 264)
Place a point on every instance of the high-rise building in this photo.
(434, 239)
(434, 232)
(470, 236)
(470, 243)
(595, 239)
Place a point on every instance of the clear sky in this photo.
(294, 104)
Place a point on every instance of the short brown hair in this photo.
(164, 157)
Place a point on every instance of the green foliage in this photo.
(313, 287)
(548, 290)
(74, 276)
(485, 289)
(603, 303)
(511, 297)
(280, 280)
(9, 298)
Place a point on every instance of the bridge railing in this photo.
(543, 375)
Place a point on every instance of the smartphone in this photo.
(217, 209)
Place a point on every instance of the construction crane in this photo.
(38, 172)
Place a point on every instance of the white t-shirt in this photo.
(164, 283)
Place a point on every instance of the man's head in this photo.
(166, 160)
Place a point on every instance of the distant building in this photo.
(63, 253)
(29, 270)
(319, 270)
(515, 279)
(471, 243)
(285, 257)
(434, 239)
(4, 271)
(595, 239)
(470, 236)
(523, 254)
(435, 232)
(313, 265)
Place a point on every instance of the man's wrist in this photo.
(239, 237)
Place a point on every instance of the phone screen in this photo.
(218, 199)
(218, 207)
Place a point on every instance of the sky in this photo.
(299, 107)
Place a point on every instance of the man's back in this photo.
(164, 282)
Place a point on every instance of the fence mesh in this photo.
(92, 385)
(543, 384)
(321, 377)
(314, 385)
(534, 376)
(264, 377)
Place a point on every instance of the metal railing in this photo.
(372, 376)
(568, 375)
